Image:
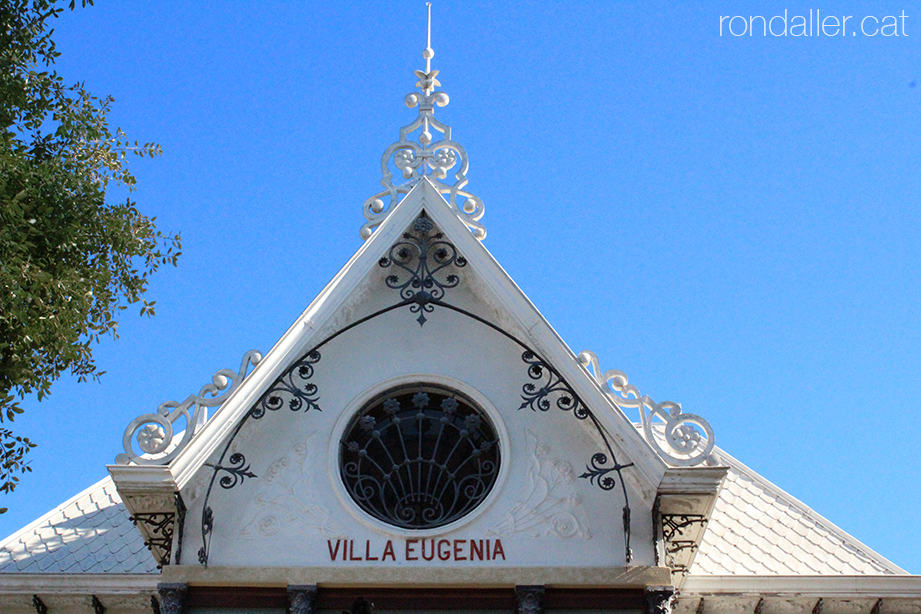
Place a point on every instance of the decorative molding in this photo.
(154, 433)
(548, 504)
(530, 599)
(659, 599)
(157, 530)
(427, 158)
(423, 258)
(302, 599)
(870, 587)
(688, 437)
(172, 597)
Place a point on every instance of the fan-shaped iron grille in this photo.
(419, 457)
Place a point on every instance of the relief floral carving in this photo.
(548, 504)
(286, 502)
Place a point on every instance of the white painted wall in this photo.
(296, 508)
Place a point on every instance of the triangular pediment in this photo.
(571, 461)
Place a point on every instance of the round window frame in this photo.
(476, 399)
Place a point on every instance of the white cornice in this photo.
(891, 586)
(86, 583)
(432, 577)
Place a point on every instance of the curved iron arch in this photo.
(537, 398)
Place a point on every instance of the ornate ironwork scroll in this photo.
(153, 433)
(98, 608)
(419, 457)
(236, 471)
(420, 261)
(431, 158)
(207, 525)
(552, 390)
(293, 389)
(688, 437)
(160, 540)
(548, 389)
(678, 531)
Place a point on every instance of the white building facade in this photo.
(421, 439)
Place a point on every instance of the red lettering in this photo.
(368, 556)
(411, 551)
(458, 550)
(497, 551)
(476, 550)
(332, 551)
(388, 549)
(352, 551)
(431, 554)
(444, 553)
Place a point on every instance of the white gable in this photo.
(281, 501)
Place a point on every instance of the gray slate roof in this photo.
(758, 529)
(89, 533)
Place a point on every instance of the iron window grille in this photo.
(419, 457)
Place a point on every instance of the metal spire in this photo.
(428, 53)
(427, 81)
(417, 155)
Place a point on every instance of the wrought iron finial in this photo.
(429, 158)
(688, 438)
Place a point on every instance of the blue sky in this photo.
(733, 221)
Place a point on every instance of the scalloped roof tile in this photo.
(89, 533)
(758, 529)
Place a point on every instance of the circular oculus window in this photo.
(419, 457)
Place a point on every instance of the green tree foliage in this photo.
(69, 260)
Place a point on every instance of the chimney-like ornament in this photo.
(415, 156)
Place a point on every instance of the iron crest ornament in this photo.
(149, 438)
(688, 438)
(415, 157)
